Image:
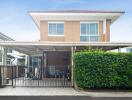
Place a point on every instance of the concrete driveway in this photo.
(41, 91)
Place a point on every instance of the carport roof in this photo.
(38, 47)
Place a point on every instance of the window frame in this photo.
(55, 22)
(89, 35)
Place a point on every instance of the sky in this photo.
(16, 22)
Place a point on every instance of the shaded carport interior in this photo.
(32, 48)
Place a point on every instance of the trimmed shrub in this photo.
(99, 69)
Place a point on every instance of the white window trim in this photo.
(55, 22)
(89, 22)
(55, 35)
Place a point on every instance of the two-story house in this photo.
(71, 26)
(75, 25)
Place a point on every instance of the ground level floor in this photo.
(49, 64)
(53, 64)
(49, 69)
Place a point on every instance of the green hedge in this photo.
(98, 69)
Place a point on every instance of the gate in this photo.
(53, 76)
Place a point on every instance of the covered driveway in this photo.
(57, 72)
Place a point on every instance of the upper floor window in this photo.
(89, 32)
(56, 29)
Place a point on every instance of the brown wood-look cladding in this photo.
(72, 32)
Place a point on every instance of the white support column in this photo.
(4, 68)
(26, 60)
(27, 63)
(45, 66)
(4, 56)
(72, 66)
(119, 50)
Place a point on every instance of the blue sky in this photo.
(16, 22)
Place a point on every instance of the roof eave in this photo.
(35, 15)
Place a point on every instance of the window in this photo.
(56, 29)
(9, 50)
(129, 49)
(89, 32)
(35, 61)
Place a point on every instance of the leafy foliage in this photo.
(99, 69)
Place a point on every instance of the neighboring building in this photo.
(3, 50)
(4, 37)
(129, 49)
(123, 50)
(12, 56)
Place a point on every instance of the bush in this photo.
(99, 69)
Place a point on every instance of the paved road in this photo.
(62, 98)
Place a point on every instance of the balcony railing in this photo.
(92, 38)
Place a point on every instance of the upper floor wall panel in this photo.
(74, 31)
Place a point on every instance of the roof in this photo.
(38, 47)
(74, 15)
(77, 11)
(4, 37)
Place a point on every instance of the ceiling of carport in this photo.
(31, 48)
